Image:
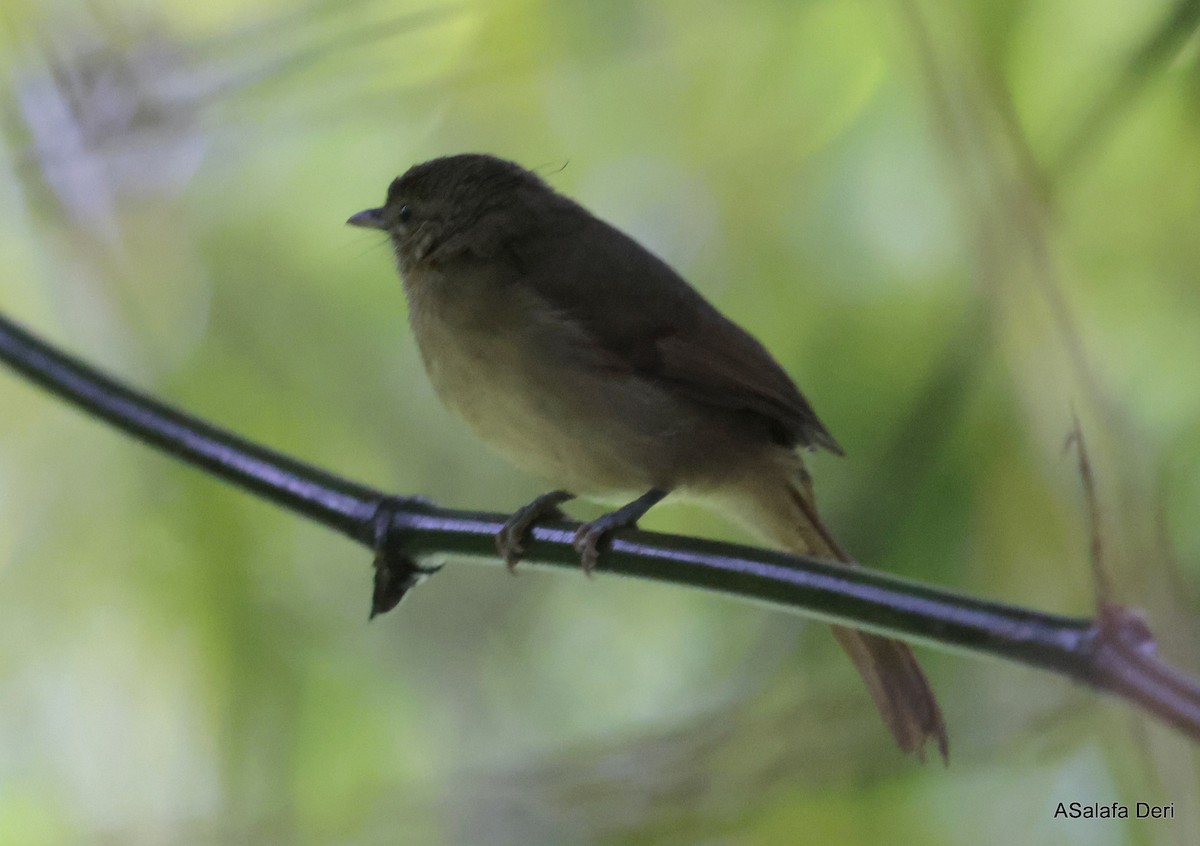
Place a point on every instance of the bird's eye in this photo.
(404, 214)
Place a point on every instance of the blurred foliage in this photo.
(954, 223)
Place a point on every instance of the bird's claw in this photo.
(587, 543)
(512, 538)
(590, 536)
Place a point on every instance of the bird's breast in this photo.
(531, 384)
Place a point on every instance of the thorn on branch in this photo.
(396, 573)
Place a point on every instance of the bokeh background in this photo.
(955, 224)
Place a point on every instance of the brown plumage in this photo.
(589, 362)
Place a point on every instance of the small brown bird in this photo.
(591, 364)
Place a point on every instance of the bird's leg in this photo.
(590, 535)
(510, 540)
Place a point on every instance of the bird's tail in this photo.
(789, 517)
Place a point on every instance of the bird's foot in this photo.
(591, 535)
(511, 539)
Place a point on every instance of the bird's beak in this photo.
(369, 219)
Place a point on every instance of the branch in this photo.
(1163, 45)
(1113, 653)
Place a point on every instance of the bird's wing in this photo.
(650, 320)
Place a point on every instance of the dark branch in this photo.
(1114, 652)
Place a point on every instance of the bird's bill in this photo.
(369, 219)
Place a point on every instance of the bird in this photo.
(592, 365)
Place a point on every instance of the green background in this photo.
(954, 224)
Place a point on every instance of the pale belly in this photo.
(532, 388)
(556, 421)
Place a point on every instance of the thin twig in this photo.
(1100, 577)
